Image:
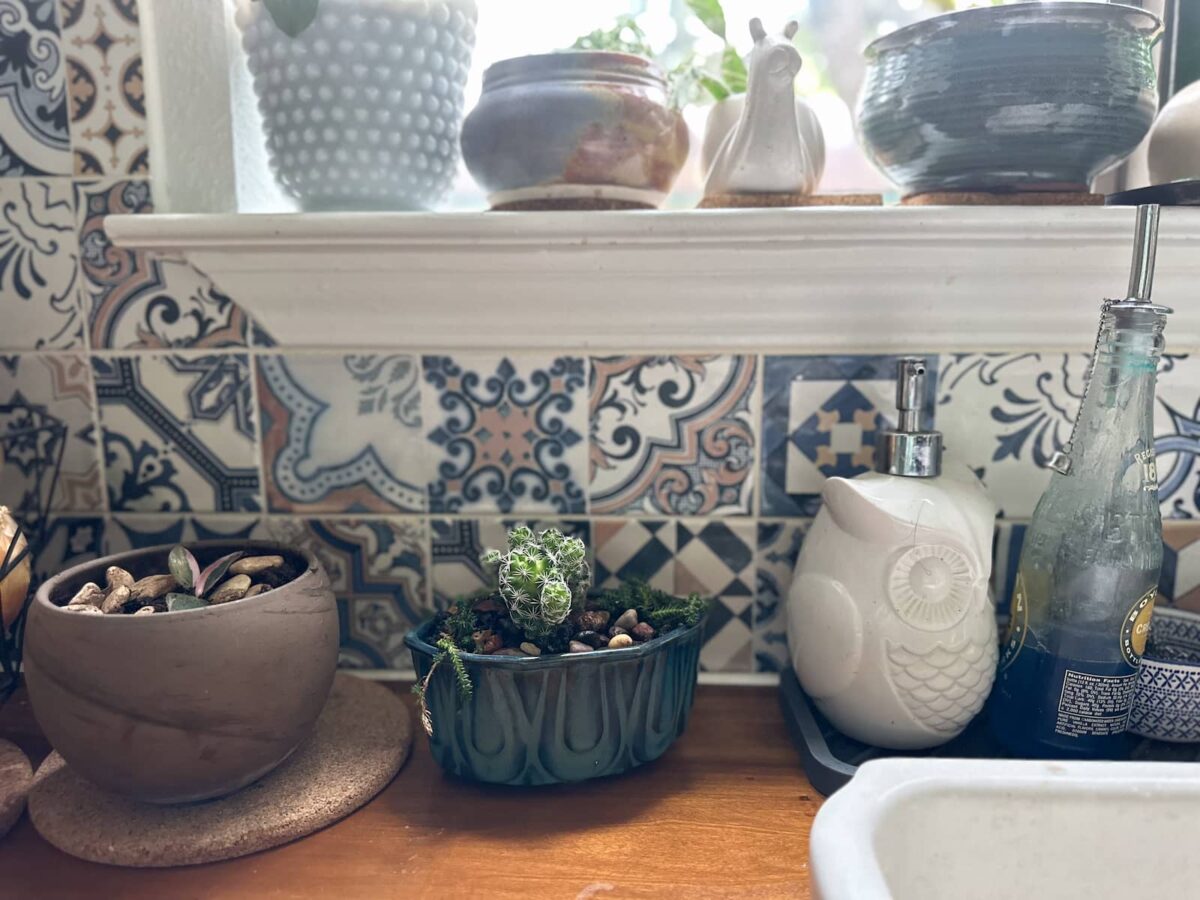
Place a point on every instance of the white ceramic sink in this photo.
(965, 829)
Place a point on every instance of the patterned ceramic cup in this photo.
(362, 108)
(1027, 96)
(1167, 704)
(577, 128)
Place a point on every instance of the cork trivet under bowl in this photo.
(1001, 198)
(362, 738)
(776, 200)
(16, 775)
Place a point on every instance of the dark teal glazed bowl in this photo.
(1029, 96)
(568, 717)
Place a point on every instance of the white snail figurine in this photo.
(891, 629)
(777, 145)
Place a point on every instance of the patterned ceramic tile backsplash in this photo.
(34, 139)
(184, 420)
(505, 434)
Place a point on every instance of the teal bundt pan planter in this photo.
(567, 717)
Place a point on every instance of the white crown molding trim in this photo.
(960, 278)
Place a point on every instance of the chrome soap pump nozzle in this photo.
(908, 450)
(1141, 283)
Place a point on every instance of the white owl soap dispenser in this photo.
(891, 628)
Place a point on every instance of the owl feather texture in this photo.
(542, 578)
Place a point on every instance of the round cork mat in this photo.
(768, 200)
(362, 738)
(1002, 198)
(15, 777)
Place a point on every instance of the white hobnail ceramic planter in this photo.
(362, 109)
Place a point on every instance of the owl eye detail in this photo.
(930, 586)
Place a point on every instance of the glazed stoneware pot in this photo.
(566, 717)
(362, 108)
(575, 127)
(1028, 96)
(188, 705)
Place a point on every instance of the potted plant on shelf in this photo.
(541, 681)
(361, 99)
(190, 673)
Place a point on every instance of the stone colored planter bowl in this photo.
(1166, 706)
(568, 717)
(1027, 96)
(582, 126)
(362, 109)
(188, 705)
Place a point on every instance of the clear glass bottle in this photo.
(1089, 567)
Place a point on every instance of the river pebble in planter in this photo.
(186, 586)
(362, 108)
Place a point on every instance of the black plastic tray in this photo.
(830, 758)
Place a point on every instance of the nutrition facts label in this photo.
(1094, 705)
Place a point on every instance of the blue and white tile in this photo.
(710, 557)
(178, 433)
(821, 415)
(39, 265)
(342, 434)
(506, 434)
(715, 559)
(69, 541)
(1005, 415)
(135, 300)
(135, 531)
(779, 546)
(47, 390)
(627, 549)
(34, 138)
(107, 91)
(672, 435)
(1177, 436)
(458, 545)
(1179, 582)
(377, 568)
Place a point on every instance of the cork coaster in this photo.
(16, 775)
(762, 201)
(1014, 198)
(361, 740)
(549, 204)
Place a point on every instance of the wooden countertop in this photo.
(725, 813)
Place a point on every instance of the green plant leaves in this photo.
(180, 602)
(733, 71)
(714, 86)
(183, 566)
(214, 572)
(710, 14)
(291, 16)
(626, 36)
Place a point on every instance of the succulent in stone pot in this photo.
(176, 681)
(541, 681)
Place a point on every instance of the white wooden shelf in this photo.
(930, 278)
